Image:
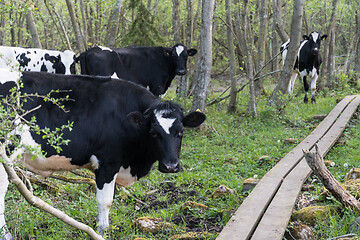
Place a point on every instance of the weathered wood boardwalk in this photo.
(265, 213)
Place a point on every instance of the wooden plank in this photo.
(275, 220)
(245, 219)
(273, 224)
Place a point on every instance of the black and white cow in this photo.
(307, 63)
(119, 130)
(34, 59)
(151, 67)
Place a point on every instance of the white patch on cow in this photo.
(115, 76)
(94, 161)
(315, 36)
(67, 58)
(125, 178)
(105, 48)
(165, 123)
(104, 198)
(4, 182)
(7, 75)
(301, 46)
(179, 50)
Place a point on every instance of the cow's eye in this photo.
(179, 134)
(154, 134)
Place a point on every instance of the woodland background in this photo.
(238, 38)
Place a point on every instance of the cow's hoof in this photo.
(306, 100)
(313, 100)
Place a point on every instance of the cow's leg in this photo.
(306, 85)
(104, 198)
(4, 182)
(313, 85)
(292, 82)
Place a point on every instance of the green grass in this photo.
(226, 150)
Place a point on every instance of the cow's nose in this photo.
(170, 167)
(181, 72)
(315, 51)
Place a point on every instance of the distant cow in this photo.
(151, 67)
(307, 62)
(34, 59)
(119, 130)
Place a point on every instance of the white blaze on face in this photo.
(315, 36)
(67, 58)
(115, 76)
(125, 178)
(165, 123)
(179, 50)
(105, 48)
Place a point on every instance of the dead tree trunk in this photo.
(316, 163)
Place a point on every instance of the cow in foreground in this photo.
(307, 63)
(150, 67)
(38, 60)
(119, 130)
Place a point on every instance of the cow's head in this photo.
(63, 63)
(164, 125)
(179, 55)
(314, 40)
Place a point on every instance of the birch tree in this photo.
(32, 28)
(79, 37)
(205, 59)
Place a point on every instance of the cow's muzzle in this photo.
(315, 51)
(181, 72)
(169, 167)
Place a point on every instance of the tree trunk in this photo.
(282, 86)
(328, 48)
(79, 37)
(274, 38)
(357, 46)
(113, 24)
(183, 82)
(331, 59)
(230, 43)
(205, 60)
(84, 25)
(4, 182)
(263, 15)
(33, 29)
(2, 24)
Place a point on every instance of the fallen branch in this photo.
(89, 181)
(38, 203)
(316, 163)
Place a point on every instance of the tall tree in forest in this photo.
(2, 23)
(263, 15)
(231, 50)
(328, 65)
(274, 37)
(183, 82)
(32, 27)
(4, 182)
(205, 59)
(357, 46)
(142, 31)
(282, 86)
(79, 38)
(113, 24)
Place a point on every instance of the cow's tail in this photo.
(82, 59)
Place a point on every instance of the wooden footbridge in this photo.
(265, 213)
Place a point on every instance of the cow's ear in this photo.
(323, 37)
(167, 52)
(194, 119)
(305, 37)
(136, 119)
(192, 52)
